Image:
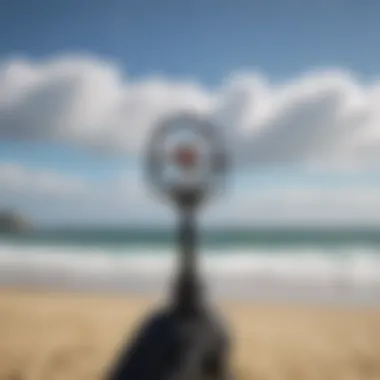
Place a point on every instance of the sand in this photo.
(69, 336)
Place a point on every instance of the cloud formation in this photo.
(82, 100)
(317, 118)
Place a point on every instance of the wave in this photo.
(307, 272)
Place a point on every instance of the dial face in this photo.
(186, 156)
(185, 150)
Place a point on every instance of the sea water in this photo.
(304, 264)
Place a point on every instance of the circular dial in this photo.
(186, 155)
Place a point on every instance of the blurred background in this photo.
(293, 88)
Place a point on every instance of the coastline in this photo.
(305, 277)
(250, 291)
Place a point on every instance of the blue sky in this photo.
(206, 40)
(188, 41)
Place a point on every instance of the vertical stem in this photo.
(187, 242)
(187, 292)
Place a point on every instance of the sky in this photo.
(292, 86)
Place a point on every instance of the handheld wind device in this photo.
(186, 164)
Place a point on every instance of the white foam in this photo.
(350, 274)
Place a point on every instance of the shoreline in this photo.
(262, 297)
(155, 299)
(246, 289)
(285, 276)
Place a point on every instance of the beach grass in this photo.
(51, 336)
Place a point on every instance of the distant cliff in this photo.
(13, 222)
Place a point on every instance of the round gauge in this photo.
(186, 155)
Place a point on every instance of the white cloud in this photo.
(327, 115)
(86, 101)
(318, 117)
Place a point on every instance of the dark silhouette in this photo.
(185, 340)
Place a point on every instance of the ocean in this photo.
(337, 265)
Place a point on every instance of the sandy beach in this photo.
(48, 336)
